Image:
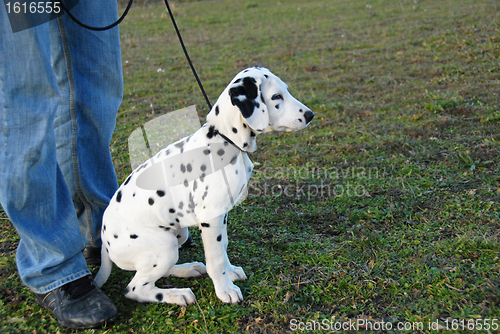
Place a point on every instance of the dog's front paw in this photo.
(237, 273)
(197, 269)
(230, 294)
(186, 270)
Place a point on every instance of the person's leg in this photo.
(32, 188)
(84, 126)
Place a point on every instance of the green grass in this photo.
(386, 208)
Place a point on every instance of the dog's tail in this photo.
(105, 270)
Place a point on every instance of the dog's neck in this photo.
(230, 126)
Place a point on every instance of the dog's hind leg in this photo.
(152, 267)
(142, 289)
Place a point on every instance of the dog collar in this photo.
(229, 141)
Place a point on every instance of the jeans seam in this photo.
(74, 130)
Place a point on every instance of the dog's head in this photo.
(257, 101)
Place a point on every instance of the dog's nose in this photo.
(309, 115)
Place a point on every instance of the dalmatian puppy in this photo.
(195, 182)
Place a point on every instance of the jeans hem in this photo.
(63, 281)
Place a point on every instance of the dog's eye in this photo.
(277, 97)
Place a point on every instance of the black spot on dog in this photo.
(191, 204)
(238, 80)
(107, 251)
(203, 168)
(245, 144)
(219, 237)
(172, 224)
(189, 168)
(223, 273)
(186, 183)
(179, 236)
(235, 130)
(160, 193)
(216, 110)
(233, 160)
(127, 180)
(300, 120)
(267, 76)
(119, 196)
(151, 201)
(183, 168)
(262, 98)
(206, 152)
(154, 265)
(212, 131)
(205, 225)
(220, 152)
(252, 134)
(171, 210)
(104, 227)
(109, 244)
(248, 89)
(277, 106)
(133, 236)
(164, 228)
(159, 297)
(181, 146)
(133, 289)
(127, 290)
(116, 236)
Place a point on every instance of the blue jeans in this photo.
(60, 89)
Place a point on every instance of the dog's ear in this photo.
(246, 94)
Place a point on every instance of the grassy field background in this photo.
(386, 208)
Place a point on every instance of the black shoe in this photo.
(188, 242)
(92, 255)
(79, 304)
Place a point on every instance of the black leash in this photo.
(112, 25)
(176, 30)
(187, 56)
